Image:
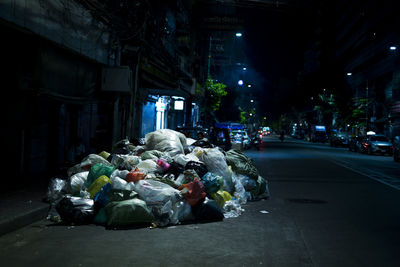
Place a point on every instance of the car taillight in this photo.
(365, 145)
(260, 136)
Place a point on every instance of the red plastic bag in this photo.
(193, 192)
(135, 176)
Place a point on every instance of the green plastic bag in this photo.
(98, 170)
(127, 213)
(241, 164)
(261, 190)
(120, 195)
(101, 217)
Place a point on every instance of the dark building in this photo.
(81, 75)
(354, 56)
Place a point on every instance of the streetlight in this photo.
(252, 101)
(349, 74)
(393, 48)
(238, 34)
(249, 85)
(244, 68)
(240, 82)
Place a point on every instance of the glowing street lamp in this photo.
(244, 68)
(349, 74)
(240, 82)
(249, 85)
(238, 34)
(393, 48)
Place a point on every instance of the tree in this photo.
(214, 93)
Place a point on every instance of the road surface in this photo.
(328, 207)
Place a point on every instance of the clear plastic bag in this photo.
(154, 192)
(125, 162)
(151, 154)
(232, 209)
(76, 210)
(160, 198)
(248, 184)
(240, 191)
(56, 190)
(215, 161)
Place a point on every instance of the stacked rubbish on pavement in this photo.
(167, 180)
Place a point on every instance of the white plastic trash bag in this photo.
(182, 159)
(148, 166)
(118, 180)
(166, 140)
(77, 182)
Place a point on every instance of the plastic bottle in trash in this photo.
(163, 164)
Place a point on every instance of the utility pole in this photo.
(366, 109)
(209, 58)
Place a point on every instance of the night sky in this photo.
(274, 43)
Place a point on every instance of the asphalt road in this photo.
(328, 207)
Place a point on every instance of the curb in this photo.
(16, 222)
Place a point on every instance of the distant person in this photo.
(282, 136)
(227, 142)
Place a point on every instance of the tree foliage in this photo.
(214, 93)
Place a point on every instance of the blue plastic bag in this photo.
(101, 197)
(212, 182)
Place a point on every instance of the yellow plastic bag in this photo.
(104, 154)
(221, 197)
(97, 185)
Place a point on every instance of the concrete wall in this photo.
(62, 21)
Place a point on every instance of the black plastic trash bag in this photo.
(204, 143)
(199, 167)
(207, 211)
(76, 210)
(175, 169)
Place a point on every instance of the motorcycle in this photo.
(257, 141)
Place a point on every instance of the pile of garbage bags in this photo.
(168, 180)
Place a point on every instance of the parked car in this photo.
(396, 149)
(377, 143)
(355, 143)
(238, 136)
(339, 139)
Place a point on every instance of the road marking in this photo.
(379, 177)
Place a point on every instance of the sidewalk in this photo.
(20, 208)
